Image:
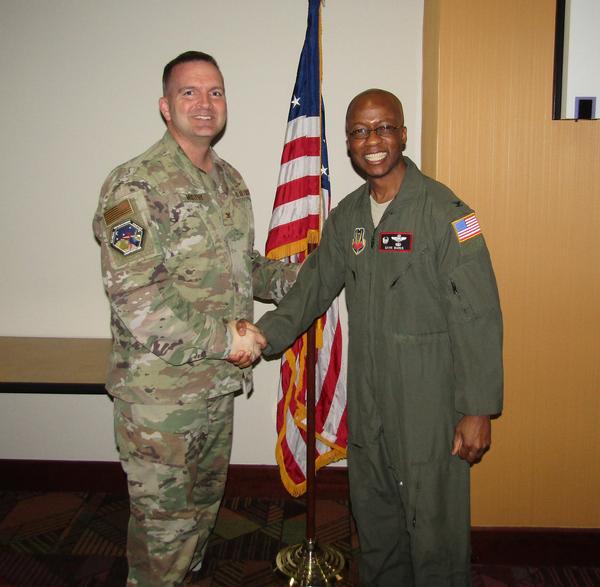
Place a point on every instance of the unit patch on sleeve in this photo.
(358, 241)
(398, 242)
(127, 237)
(466, 227)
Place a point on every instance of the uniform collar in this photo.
(182, 160)
(409, 190)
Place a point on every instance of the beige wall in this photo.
(78, 96)
(79, 92)
(535, 183)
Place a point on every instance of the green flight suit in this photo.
(425, 348)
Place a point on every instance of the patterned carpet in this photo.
(78, 540)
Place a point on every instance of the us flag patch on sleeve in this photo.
(466, 227)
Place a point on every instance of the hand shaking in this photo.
(247, 343)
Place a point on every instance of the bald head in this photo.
(376, 138)
(378, 96)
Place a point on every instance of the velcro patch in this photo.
(127, 237)
(396, 242)
(122, 209)
(195, 197)
(358, 241)
(466, 227)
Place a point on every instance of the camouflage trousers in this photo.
(176, 460)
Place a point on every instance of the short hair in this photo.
(185, 58)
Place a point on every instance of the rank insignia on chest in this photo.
(127, 237)
(396, 242)
(358, 241)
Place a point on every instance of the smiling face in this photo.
(376, 156)
(194, 105)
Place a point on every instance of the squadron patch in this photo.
(398, 242)
(127, 237)
(466, 227)
(358, 241)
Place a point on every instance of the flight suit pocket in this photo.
(422, 388)
(412, 301)
(473, 290)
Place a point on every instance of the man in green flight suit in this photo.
(176, 231)
(425, 351)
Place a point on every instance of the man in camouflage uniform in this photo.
(176, 232)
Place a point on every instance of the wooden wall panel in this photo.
(53, 360)
(535, 184)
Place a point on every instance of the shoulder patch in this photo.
(122, 209)
(127, 237)
(466, 227)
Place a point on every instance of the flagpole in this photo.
(311, 474)
(311, 357)
(310, 564)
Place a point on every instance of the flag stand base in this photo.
(310, 565)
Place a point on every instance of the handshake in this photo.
(247, 343)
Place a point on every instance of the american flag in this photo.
(302, 202)
(466, 227)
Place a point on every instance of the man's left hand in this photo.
(472, 438)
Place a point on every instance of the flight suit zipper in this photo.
(459, 298)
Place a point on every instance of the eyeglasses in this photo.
(360, 134)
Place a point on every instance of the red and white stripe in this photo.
(300, 208)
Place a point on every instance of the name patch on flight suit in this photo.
(396, 242)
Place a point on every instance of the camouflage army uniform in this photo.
(178, 263)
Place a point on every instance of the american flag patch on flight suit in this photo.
(466, 227)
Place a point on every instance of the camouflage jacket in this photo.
(178, 263)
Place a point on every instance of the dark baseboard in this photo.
(579, 547)
(500, 546)
(53, 388)
(108, 477)
(33, 475)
